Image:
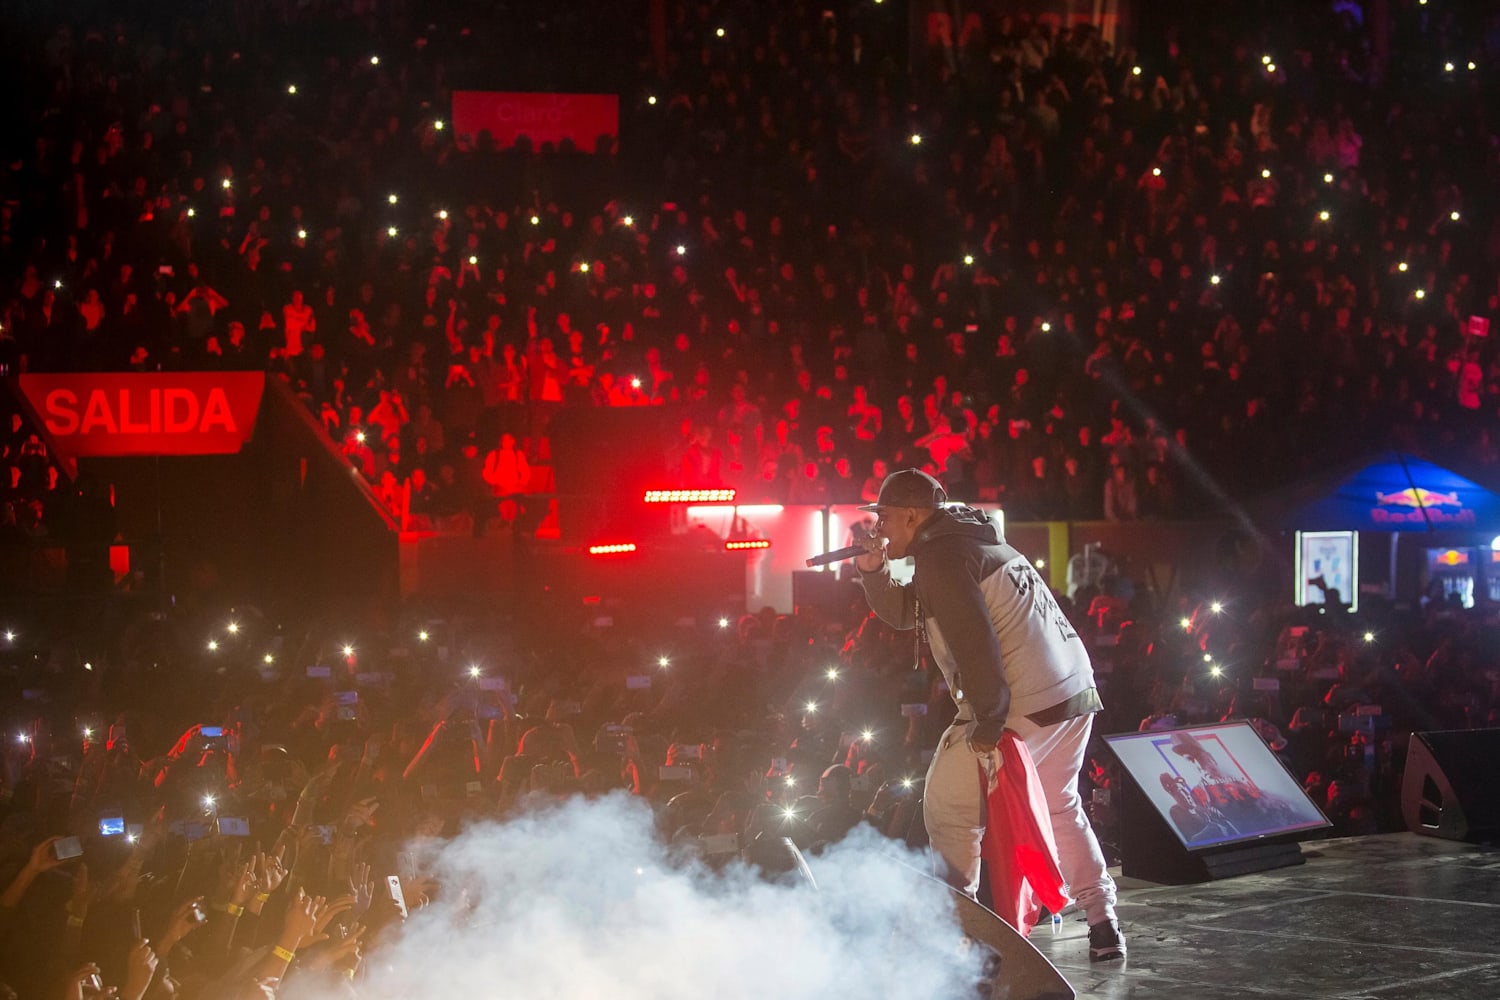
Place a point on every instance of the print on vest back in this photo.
(1029, 583)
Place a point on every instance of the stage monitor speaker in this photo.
(1451, 788)
(1207, 802)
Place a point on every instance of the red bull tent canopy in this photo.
(1391, 493)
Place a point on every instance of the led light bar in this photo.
(689, 496)
(611, 550)
(750, 543)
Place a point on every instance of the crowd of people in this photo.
(1079, 279)
(257, 789)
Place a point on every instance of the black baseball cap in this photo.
(909, 488)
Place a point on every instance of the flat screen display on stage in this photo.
(1216, 784)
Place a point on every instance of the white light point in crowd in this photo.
(475, 672)
(1041, 564)
(226, 184)
(1265, 173)
(22, 738)
(359, 436)
(635, 382)
(868, 735)
(269, 658)
(473, 260)
(392, 231)
(393, 198)
(651, 99)
(536, 220)
(1447, 67)
(1186, 623)
(1215, 279)
(791, 782)
(57, 283)
(209, 801)
(1401, 267)
(1046, 327)
(1216, 607)
(1135, 71)
(1327, 178)
(443, 214)
(1369, 637)
(723, 623)
(10, 636)
(1323, 216)
(233, 628)
(191, 212)
(213, 645)
(1208, 658)
(583, 267)
(1472, 66)
(916, 138)
(1454, 216)
(1265, 60)
(907, 782)
(1217, 671)
(629, 220)
(291, 88)
(1156, 171)
(790, 812)
(811, 707)
(302, 234)
(719, 33)
(87, 732)
(374, 60)
(422, 636)
(87, 665)
(438, 125)
(348, 650)
(663, 662)
(833, 674)
(681, 250)
(1420, 293)
(968, 260)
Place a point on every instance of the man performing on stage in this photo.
(1011, 660)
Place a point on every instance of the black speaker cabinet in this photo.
(1451, 788)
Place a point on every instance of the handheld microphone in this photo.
(837, 555)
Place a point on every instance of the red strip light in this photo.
(753, 543)
(689, 496)
(611, 550)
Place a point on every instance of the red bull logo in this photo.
(1416, 496)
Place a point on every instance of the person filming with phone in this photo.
(1011, 660)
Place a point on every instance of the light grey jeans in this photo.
(953, 808)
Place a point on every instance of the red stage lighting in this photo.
(689, 496)
(611, 550)
(750, 543)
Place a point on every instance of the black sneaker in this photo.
(1106, 943)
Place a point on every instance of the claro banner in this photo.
(540, 117)
(167, 413)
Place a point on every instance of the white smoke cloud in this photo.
(582, 901)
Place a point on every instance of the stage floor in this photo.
(1390, 917)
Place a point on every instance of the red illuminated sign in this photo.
(552, 118)
(179, 413)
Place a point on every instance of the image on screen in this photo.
(1216, 784)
